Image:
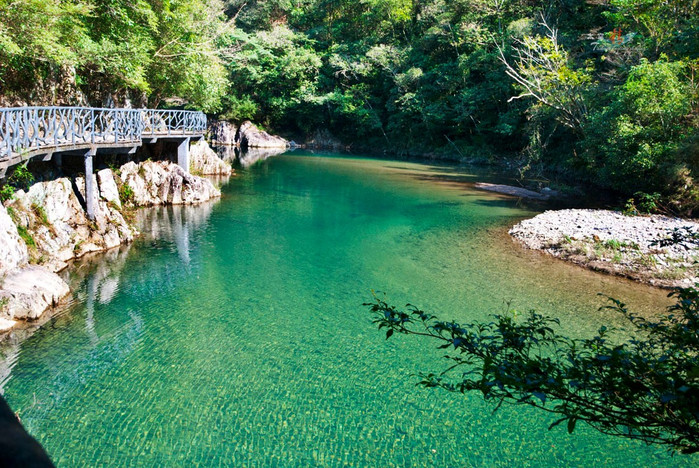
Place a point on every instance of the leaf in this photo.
(389, 333)
(540, 395)
(571, 424)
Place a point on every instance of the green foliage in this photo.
(158, 49)
(280, 68)
(644, 388)
(602, 93)
(26, 237)
(126, 194)
(635, 140)
(40, 213)
(7, 192)
(21, 178)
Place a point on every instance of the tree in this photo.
(644, 388)
(542, 68)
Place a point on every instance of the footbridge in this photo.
(48, 133)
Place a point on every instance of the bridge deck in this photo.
(30, 132)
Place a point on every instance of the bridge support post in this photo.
(90, 201)
(183, 155)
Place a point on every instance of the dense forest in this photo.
(601, 92)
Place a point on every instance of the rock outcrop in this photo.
(25, 291)
(249, 136)
(164, 183)
(323, 139)
(633, 246)
(222, 132)
(57, 226)
(203, 160)
(46, 226)
(13, 250)
(29, 291)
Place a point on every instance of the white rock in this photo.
(108, 187)
(203, 160)
(13, 250)
(249, 136)
(29, 291)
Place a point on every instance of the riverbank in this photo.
(45, 227)
(658, 250)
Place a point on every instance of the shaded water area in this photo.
(233, 334)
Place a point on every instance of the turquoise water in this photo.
(232, 334)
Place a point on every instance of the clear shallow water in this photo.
(233, 334)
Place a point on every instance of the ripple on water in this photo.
(233, 334)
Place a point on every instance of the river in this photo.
(233, 334)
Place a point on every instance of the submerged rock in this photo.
(249, 136)
(514, 191)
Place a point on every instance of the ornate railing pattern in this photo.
(173, 122)
(33, 129)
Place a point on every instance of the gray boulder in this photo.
(249, 136)
(222, 132)
(203, 160)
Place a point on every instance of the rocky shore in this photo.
(637, 247)
(247, 135)
(45, 227)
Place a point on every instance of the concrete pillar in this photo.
(90, 201)
(183, 155)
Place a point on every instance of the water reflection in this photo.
(248, 157)
(174, 224)
(109, 333)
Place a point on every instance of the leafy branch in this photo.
(645, 389)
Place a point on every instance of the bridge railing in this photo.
(33, 129)
(173, 122)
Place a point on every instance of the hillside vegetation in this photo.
(602, 92)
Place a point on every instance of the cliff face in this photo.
(46, 226)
